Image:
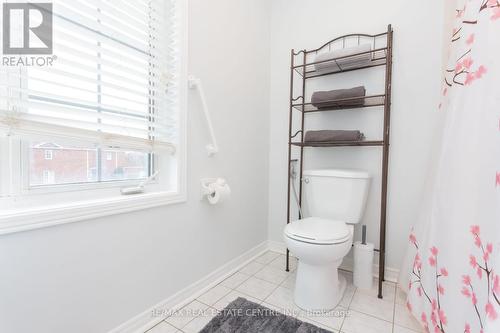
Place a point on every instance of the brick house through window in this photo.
(67, 164)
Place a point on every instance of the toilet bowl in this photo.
(320, 245)
(335, 200)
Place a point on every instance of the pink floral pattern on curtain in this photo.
(437, 320)
(453, 271)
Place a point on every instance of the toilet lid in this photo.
(318, 230)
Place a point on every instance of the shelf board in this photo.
(339, 104)
(379, 58)
(339, 143)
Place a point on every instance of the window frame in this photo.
(42, 207)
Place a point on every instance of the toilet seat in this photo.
(316, 230)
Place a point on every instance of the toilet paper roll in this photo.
(363, 265)
(219, 191)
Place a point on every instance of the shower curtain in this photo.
(452, 273)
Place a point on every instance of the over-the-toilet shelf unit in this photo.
(380, 56)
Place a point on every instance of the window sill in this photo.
(48, 216)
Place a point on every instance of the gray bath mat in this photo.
(242, 316)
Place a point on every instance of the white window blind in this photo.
(113, 81)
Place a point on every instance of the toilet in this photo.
(335, 201)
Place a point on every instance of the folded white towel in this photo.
(344, 63)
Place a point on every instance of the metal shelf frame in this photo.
(380, 56)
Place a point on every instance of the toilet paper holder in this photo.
(210, 185)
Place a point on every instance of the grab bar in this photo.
(194, 82)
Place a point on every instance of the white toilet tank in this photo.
(337, 194)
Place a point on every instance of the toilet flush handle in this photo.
(306, 180)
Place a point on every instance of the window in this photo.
(106, 113)
(48, 154)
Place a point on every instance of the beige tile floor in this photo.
(265, 282)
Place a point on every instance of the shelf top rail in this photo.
(309, 66)
(343, 38)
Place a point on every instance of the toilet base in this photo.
(319, 288)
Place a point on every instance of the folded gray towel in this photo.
(333, 135)
(326, 99)
(344, 63)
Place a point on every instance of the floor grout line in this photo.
(370, 315)
(180, 329)
(348, 310)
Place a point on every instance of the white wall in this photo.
(418, 29)
(91, 276)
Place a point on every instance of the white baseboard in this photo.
(275, 246)
(145, 320)
(391, 274)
